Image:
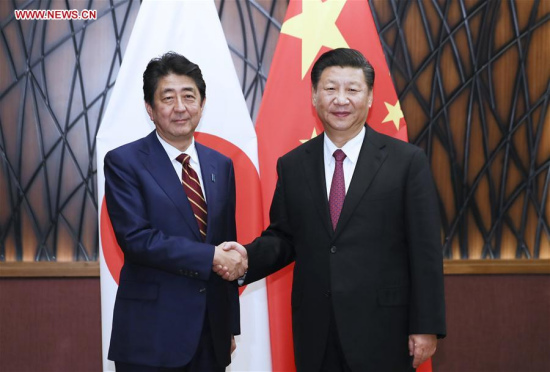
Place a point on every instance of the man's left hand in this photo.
(422, 347)
(233, 344)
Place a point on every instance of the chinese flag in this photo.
(287, 117)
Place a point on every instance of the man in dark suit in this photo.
(171, 200)
(357, 211)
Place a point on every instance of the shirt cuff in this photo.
(240, 281)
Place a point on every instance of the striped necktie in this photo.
(192, 186)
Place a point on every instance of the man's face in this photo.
(177, 108)
(342, 100)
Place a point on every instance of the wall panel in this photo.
(472, 78)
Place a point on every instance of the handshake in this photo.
(230, 260)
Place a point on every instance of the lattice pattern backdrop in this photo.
(474, 82)
(472, 77)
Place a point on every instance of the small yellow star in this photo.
(313, 135)
(394, 114)
(316, 26)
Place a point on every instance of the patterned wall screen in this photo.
(474, 84)
(472, 77)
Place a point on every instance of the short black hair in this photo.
(343, 57)
(170, 63)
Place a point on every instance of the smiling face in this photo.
(342, 100)
(176, 110)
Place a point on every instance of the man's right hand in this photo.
(230, 260)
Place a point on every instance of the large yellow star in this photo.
(394, 114)
(313, 135)
(316, 26)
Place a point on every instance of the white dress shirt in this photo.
(173, 153)
(351, 149)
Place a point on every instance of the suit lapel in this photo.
(209, 175)
(370, 160)
(314, 168)
(158, 164)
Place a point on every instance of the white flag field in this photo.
(191, 28)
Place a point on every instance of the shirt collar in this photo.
(173, 152)
(352, 148)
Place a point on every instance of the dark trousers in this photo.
(204, 359)
(334, 360)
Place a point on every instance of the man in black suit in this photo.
(357, 211)
(171, 201)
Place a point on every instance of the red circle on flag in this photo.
(112, 253)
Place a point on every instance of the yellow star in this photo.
(394, 114)
(313, 135)
(316, 26)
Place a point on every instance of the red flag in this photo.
(287, 117)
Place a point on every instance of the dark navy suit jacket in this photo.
(167, 286)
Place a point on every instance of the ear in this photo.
(149, 111)
(313, 97)
(370, 98)
(202, 103)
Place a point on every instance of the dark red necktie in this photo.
(337, 188)
(192, 186)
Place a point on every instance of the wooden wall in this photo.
(495, 323)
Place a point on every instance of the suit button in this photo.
(333, 249)
(327, 293)
(202, 290)
(181, 271)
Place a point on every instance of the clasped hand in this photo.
(230, 260)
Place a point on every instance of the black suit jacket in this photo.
(381, 270)
(166, 284)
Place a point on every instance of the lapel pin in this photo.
(213, 177)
